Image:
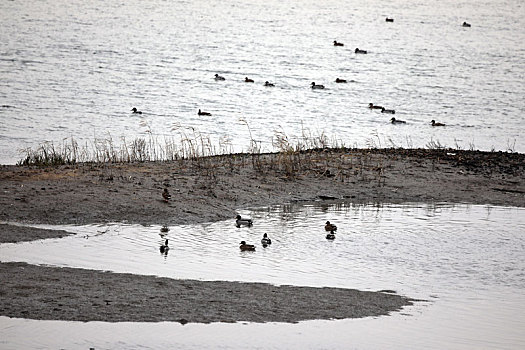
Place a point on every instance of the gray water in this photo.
(466, 261)
(74, 69)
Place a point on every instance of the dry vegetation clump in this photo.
(309, 155)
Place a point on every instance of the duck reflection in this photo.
(164, 249)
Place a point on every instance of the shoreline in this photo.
(211, 189)
(119, 297)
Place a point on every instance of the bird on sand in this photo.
(166, 195)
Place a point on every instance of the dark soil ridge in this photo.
(15, 233)
(86, 295)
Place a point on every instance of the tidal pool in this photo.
(466, 260)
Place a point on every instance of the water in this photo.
(466, 261)
(74, 69)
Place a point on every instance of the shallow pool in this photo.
(468, 261)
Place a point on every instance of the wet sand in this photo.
(213, 189)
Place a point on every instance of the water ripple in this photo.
(109, 63)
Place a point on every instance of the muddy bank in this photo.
(86, 295)
(214, 188)
(13, 233)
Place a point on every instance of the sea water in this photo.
(72, 70)
(465, 261)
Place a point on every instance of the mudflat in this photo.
(214, 188)
(49, 293)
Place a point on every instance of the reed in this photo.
(435, 145)
(47, 155)
(312, 153)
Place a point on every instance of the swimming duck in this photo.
(164, 229)
(267, 83)
(247, 80)
(338, 44)
(330, 235)
(465, 24)
(164, 248)
(389, 111)
(265, 240)
(372, 106)
(389, 19)
(337, 80)
(360, 51)
(436, 124)
(203, 113)
(243, 222)
(135, 111)
(317, 86)
(397, 121)
(330, 227)
(218, 77)
(166, 195)
(247, 247)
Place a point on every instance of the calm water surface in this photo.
(74, 69)
(466, 261)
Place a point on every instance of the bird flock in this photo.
(266, 241)
(243, 222)
(316, 86)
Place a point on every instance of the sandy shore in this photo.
(213, 189)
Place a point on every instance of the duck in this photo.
(397, 121)
(248, 80)
(465, 24)
(203, 113)
(433, 122)
(265, 240)
(360, 51)
(330, 235)
(218, 77)
(134, 110)
(166, 195)
(373, 106)
(330, 227)
(164, 229)
(338, 44)
(389, 19)
(164, 248)
(337, 80)
(247, 247)
(317, 86)
(388, 111)
(243, 222)
(267, 83)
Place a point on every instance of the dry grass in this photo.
(315, 154)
